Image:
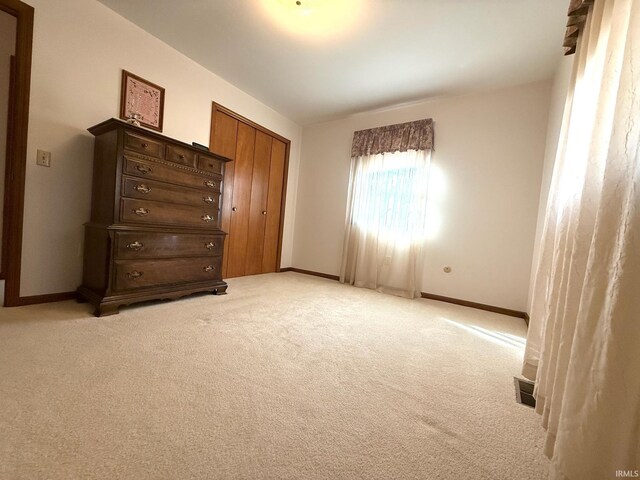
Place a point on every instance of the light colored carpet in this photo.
(286, 377)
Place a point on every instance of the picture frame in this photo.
(141, 101)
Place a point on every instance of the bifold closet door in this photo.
(224, 137)
(241, 199)
(253, 195)
(258, 206)
(274, 206)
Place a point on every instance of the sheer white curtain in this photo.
(583, 344)
(386, 222)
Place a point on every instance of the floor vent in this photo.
(524, 391)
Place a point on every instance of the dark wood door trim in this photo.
(216, 107)
(8, 155)
(17, 162)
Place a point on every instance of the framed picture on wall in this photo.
(141, 102)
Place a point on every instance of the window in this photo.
(391, 190)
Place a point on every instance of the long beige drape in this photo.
(583, 346)
(385, 227)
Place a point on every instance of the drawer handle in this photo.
(234, 209)
(210, 245)
(209, 184)
(181, 157)
(142, 188)
(143, 169)
(264, 212)
(135, 275)
(135, 246)
(141, 212)
(145, 145)
(208, 199)
(209, 268)
(206, 218)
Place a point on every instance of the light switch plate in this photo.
(43, 158)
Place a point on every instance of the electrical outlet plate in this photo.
(43, 158)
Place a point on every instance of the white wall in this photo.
(488, 160)
(79, 49)
(7, 48)
(556, 112)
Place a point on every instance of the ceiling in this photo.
(329, 58)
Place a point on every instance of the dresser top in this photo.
(114, 123)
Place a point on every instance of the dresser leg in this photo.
(220, 291)
(106, 310)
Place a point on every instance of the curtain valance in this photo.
(577, 13)
(401, 137)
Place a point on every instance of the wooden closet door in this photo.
(258, 206)
(242, 180)
(274, 206)
(254, 185)
(224, 134)
(223, 140)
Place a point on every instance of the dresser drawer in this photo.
(160, 213)
(133, 274)
(165, 192)
(150, 245)
(167, 173)
(181, 155)
(209, 164)
(144, 145)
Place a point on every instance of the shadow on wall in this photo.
(435, 199)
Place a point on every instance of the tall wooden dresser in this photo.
(155, 219)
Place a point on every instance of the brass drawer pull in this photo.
(135, 275)
(210, 245)
(264, 212)
(206, 218)
(142, 188)
(234, 209)
(209, 184)
(141, 212)
(143, 169)
(208, 199)
(135, 246)
(145, 145)
(209, 268)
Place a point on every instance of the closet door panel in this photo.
(224, 133)
(242, 179)
(258, 206)
(274, 207)
(225, 225)
(223, 139)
